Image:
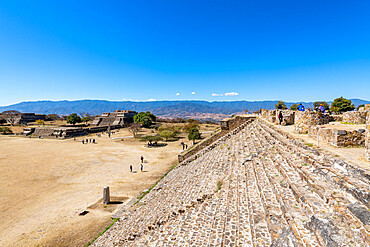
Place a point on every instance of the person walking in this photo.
(141, 167)
(142, 159)
(280, 117)
(83, 141)
(130, 168)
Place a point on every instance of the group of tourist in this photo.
(88, 140)
(154, 144)
(141, 164)
(184, 146)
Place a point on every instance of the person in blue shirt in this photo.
(300, 107)
(322, 108)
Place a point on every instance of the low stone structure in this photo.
(65, 132)
(337, 137)
(309, 118)
(355, 117)
(116, 118)
(273, 116)
(229, 124)
(288, 117)
(270, 115)
(25, 118)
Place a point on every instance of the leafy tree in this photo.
(280, 105)
(358, 107)
(145, 118)
(191, 125)
(40, 122)
(323, 103)
(11, 116)
(86, 119)
(5, 131)
(2, 121)
(294, 107)
(194, 134)
(73, 119)
(168, 134)
(341, 104)
(52, 117)
(150, 139)
(146, 121)
(134, 128)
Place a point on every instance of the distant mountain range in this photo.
(185, 109)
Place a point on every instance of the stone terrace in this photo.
(256, 186)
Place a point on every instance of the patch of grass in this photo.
(346, 123)
(219, 185)
(106, 229)
(309, 144)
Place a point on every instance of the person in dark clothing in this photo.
(280, 118)
(142, 159)
(83, 141)
(130, 168)
(141, 167)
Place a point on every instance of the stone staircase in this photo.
(256, 186)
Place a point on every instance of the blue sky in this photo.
(175, 50)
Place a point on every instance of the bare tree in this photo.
(134, 128)
(11, 116)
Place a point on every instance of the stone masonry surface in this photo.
(367, 138)
(355, 117)
(309, 118)
(338, 138)
(256, 186)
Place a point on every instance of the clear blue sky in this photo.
(140, 50)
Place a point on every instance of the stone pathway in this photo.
(256, 186)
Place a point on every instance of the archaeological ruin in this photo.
(105, 122)
(252, 184)
(25, 118)
(117, 118)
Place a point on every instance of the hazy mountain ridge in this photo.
(184, 109)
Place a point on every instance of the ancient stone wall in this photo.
(231, 123)
(338, 138)
(367, 137)
(288, 117)
(270, 115)
(309, 118)
(227, 125)
(336, 118)
(355, 117)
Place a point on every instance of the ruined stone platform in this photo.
(255, 186)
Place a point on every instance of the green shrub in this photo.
(5, 131)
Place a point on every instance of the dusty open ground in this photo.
(45, 183)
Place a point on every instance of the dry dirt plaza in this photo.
(46, 183)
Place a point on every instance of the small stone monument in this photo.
(106, 195)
